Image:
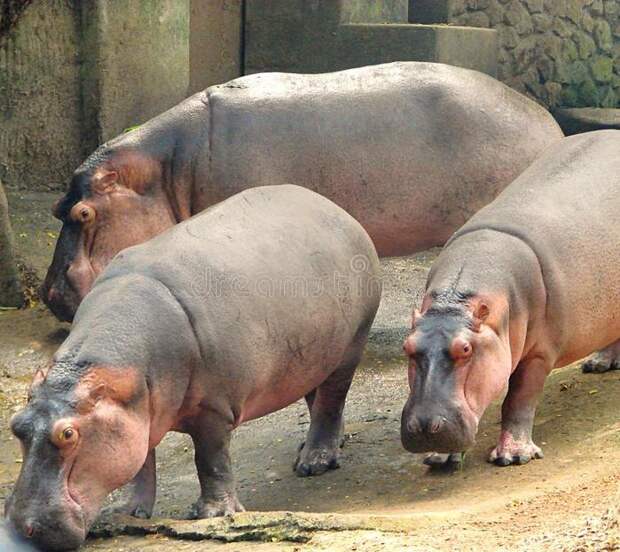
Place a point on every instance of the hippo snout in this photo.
(60, 299)
(51, 529)
(427, 428)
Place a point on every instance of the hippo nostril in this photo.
(413, 426)
(436, 424)
(52, 294)
(28, 530)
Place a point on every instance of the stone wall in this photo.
(560, 52)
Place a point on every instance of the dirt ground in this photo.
(382, 498)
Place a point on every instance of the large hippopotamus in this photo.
(263, 299)
(529, 284)
(411, 150)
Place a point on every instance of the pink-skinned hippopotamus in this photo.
(528, 284)
(262, 299)
(411, 150)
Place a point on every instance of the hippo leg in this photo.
(605, 360)
(321, 450)
(144, 485)
(448, 461)
(218, 496)
(515, 444)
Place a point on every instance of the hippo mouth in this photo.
(456, 434)
(73, 501)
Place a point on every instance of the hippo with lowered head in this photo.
(411, 150)
(529, 284)
(262, 299)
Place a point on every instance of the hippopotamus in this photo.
(411, 150)
(263, 299)
(528, 284)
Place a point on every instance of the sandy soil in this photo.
(382, 498)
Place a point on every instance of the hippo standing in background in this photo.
(530, 283)
(261, 300)
(411, 150)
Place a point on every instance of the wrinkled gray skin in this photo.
(261, 300)
(529, 284)
(411, 150)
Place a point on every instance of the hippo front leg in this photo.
(218, 496)
(605, 360)
(144, 487)
(515, 444)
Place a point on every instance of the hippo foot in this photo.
(129, 509)
(598, 364)
(510, 451)
(316, 461)
(448, 462)
(210, 508)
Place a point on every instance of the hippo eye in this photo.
(82, 213)
(67, 436)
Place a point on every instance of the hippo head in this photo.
(79, 442)
(458, 364)
(116, 199)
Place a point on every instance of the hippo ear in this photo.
(103, 181)
(409, 345)
(122, 385)
(39, 378)
(480, 312)
(415, 318)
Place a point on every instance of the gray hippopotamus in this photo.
(529, 284)
(262, 299)
(411, 150)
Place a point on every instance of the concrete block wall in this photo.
(329, 35)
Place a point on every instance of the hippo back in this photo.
(410, 149)
(565, 208)
(271, 272)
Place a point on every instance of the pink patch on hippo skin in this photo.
(514, 451)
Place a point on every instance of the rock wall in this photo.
(560, 52)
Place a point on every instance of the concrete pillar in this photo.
(215, 42)
(135, 63)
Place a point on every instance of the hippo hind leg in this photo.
(605, 360)
(321, 450)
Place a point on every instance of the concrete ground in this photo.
(382, 498)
